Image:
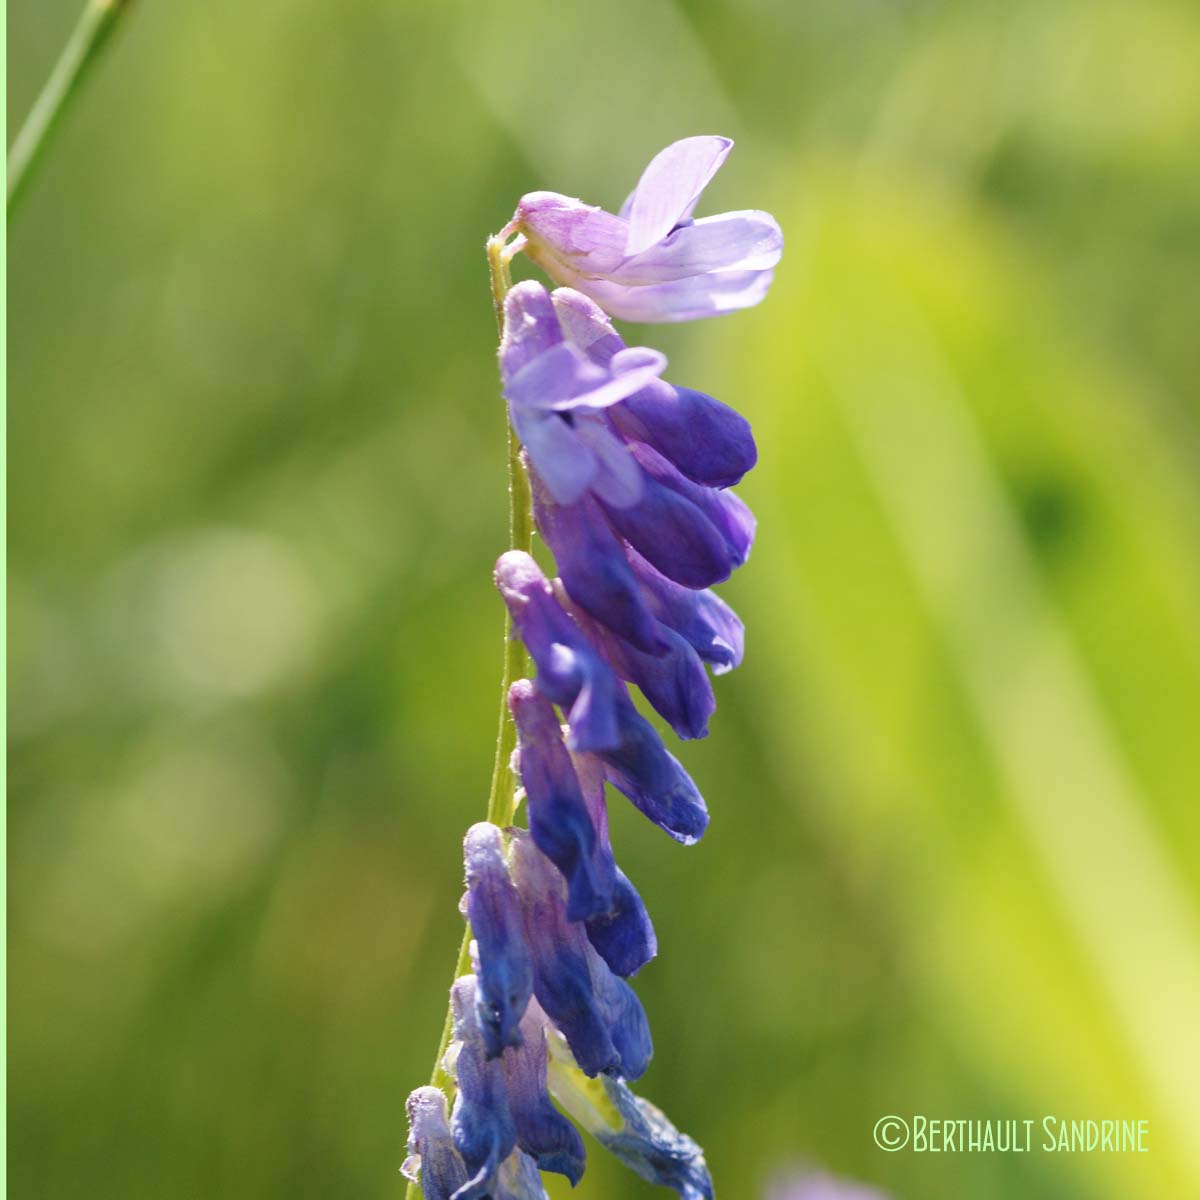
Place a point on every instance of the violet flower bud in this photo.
(480, 1122)
(653, 779)
(570, 671)
(432, 1159)
(624, 935)
(494, 910)
(598, 1013)
(559, 821)
(633, 1129)
(543, 1133)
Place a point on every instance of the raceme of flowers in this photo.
(629, 476)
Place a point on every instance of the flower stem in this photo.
(96, 23)
(501, 799)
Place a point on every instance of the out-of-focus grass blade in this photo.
(978, 596)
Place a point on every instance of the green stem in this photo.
(97, 21)
(501, 798)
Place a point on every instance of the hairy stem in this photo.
(501, 798)
(96, 23)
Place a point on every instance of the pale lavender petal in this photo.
(669, 187)
(555, 377)
(682, 299)
(586, 325)
(629, 371)
(564, 462)
(616, 477)
(530, 326)
(733, 241)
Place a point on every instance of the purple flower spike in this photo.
(481, 1124)
(570, 672)
(494, 910)
(555, 394)
(624, 936)
(432, 1159)
(653, 262)
(559, 821)
(543, 1133)
(601, 1018)
(707, 441)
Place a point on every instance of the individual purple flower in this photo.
(727, 514)
(674, 682)
(633, 1129)
(494, 911)
(700, 617)
(432, 1159)
(653, 261)
(557, 395)
(543, 1133)
(571, 672)
(598, 1013)
(480, 1123)
(559, 821)
(609, 580)
(624, 935)
(593, 564)
(653, 1148)
(651, 777)
(667, 527)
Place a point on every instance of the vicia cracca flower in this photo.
(653, 261)
(812, 1184)
(627, 479)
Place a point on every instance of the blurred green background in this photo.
(256, 488)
